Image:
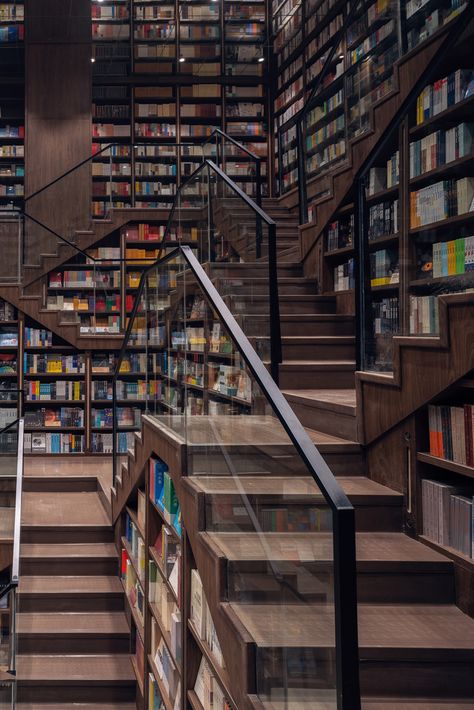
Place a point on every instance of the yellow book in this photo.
(451, 246)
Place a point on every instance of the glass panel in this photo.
(255, 484)
(11, 228)
(8, 450)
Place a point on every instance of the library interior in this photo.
(237, 233)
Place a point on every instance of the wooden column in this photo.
(58, 116)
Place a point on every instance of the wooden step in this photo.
(63, 679)
(64, 517)
(377, 508)
(312, 324)
(393, 703)
(259, 285)
(69, 559)
(392, 568)
(91, 632)
(334, 374)
(288, 303)
(76, 706)
(328, 410)
(403, 648)
(324, 347)
(343, 456)
(70, 593)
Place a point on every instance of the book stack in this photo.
(208, 689)
(70, 417)
(163, 494)
(168, 673)
(137, 545)
(344, 278)
(451, 430)
(385, 316)
(132, 585)
(444, 199)
(341, 234)
(155, 701)
(103, 443)
(8, 338)
(443, 94)
(448, 515)
(383, 220)
(8, 364)
(454, 257)
(384, 178)
(230, 381)
(220, 340)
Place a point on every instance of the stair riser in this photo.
(59, 484)
(77, 603)
(352, 464)
(72, 567)
(316, 379)
(319, 351)
(329, 327)
(73, 693)
(70, 534)
(230, 513)
(254, 582)
(261, 306)
(248, 271)
(85, 645)
(298, 288)
(334, 423)
(443, 678)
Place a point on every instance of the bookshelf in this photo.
(176, 654)
(445, 473)
(208, 60)
(10, 357)
(12, 106)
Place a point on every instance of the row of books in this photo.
(7, 311)
(116, 111)
(50, 364)
(168, 673)
(155, 699)
(444, 93)
(384, 178)
(163, 494)
(8, 338)
(52, 443)
(444, 199)
(73, 390)
(72, 417)
(230, 381)
(12, 190)
(133, 588)
(424, 315)
(384, 267)
(201, 618)
(451, 432)
(8, 364)
(12, 33)
(448, 515)
(139, 389)
(341, 233)
(170, 617)
(440, 148)
(38, 337)
(344, 276)
(454, 257)
(383, 220)
(88, 278)
(167, 549)
(111, 303)
(103, 443)
(137, 546)
(385, 314)
(125, 417)
(12, 171)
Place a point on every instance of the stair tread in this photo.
(63, 509)
(71, 623)
(76, 706)
(104, 669)
(416, 704)
(321, 439)
(7, 521)
(318, 546)
(320, 364)
(289, 486)
(316, 339)
(381, 626)
(343, 401)
(70, 585)
(46, 550)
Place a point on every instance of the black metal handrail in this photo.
(345, 589)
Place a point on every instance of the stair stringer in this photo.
(238, 647)
(84, 239)
(423, 367)
(336, 183)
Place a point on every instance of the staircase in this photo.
(73, 636)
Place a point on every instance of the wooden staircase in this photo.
(416, 646)
(73, 635)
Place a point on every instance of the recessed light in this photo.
(182, 59)
(261, 59)
(92, 60)
(341, 56)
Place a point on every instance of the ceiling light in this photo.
(92, 60)
(341, 56)
(261, 59)
(182, 59)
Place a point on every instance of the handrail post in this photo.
(114, 425)
(275, 330)
(303, 193)
(258, 194)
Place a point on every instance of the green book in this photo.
(459, 253)
(170, 499)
